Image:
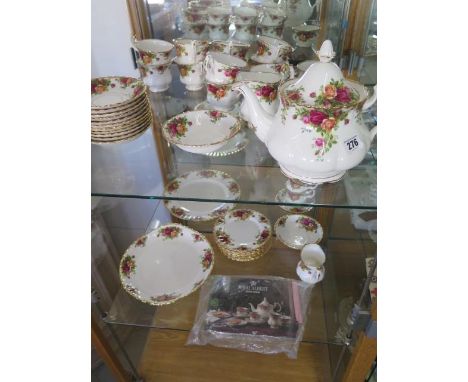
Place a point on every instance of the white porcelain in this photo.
(114, 92)
(157, 78)
(317, 133)
(200, 131)
(270, 16)
(304, 35)
(294, 185)
(297, 11)
(219, 15)
(222, 68)
(153, 52)
(245, 33)
(264, 309)
(201, 184)
(192, 76)
(195, 15)
(245, 16)
(304, 65)
(233, 48)
(265, 88)
(218, 32)
(222, 97)
(243, 230)
(165, 265)
(196, 31)
(311, 269)
(189, 51)
(285, 70)
(284, 196)
(270, 31)
(272, 50)
(297, 230)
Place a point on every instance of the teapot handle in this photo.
(276, 304)
(292, 73)
(373, 133)
(371, 100)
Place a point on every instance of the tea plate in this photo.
(242, 229)
(115, 91)
(201, 131)
(203, 184)
(295, 231)
(281, 196)
(165, 265)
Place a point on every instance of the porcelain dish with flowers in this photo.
(202, 184)
(297, 230)
(166, 264)
(201, 131)
(317, 133)
(283, 197)
(114, 92)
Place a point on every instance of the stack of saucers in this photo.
(120, 109)
(243, 235)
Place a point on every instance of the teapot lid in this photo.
(322, 85)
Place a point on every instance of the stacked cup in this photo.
(189, 59)
(218, 22)
(271, 22)
(195, 21)
(245, 21)
(221, 72)
(154, 61)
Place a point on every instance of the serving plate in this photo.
(297, 230)
(111, 92)
(203, 184)
(165, 265)
(201, 131)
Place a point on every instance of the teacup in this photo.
(303, 35)
(285, 320)
(222, 97)
(242, 311)
(272, 50)
(272, 16)
(195, 31)
(157, 78)
(265, 88)
(285, 70)
(245, 32)
(218, 32)
(219, 15)
(192, 76)
(245, 16)
(195, 15)
(274, 320)
(233, 48)
(153, 52)
(222, 68)
(190, 51)
(311, 269)
(270, 31)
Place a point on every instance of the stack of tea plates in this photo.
(120, 109)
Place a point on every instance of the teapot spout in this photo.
(252, 307)
(260, 119)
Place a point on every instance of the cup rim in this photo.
(222, 58)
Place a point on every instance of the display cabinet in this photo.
(129, 200)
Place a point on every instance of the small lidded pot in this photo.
(311, 269)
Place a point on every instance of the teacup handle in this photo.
(371, 100)
(292, 73)
(207, 63)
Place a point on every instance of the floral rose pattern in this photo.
(128, 265)
(222, 236)
(173, 186)
(100, 85)
(180, 50)
(215, 115)
(177, 211)
(147, 57)
(231, 73)
(197, 29)
(185, 70)
(266, 93)
(263, 49)
(217, 91)
(241, 214)
(177, 127)
(164, 297)
(170, 232)
(140, 242)
(308, 224)
(233, 188)
(207, 259)
(207, 173)
(282, 221)
(305, 35)
(197, 237)
(265, 234)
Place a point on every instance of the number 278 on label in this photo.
(352, 143)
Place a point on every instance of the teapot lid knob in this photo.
(326, 52)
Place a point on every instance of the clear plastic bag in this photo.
(263, 314)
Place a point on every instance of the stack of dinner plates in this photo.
(120, 109)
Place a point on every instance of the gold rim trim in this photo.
(153, 303)
(131, 138)
(234, 130)
(115, 127)
(113, 105)
(112, 117)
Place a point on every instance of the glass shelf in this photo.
(133, 169)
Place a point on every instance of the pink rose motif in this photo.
(330, 91)
(313, 95)
(326, 104)
(306, 119)
(328, 124)
(317, 117)
(266, 90)
(342, 95)
(319, 142)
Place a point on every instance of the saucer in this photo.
(295, 231)
(259, 60)
(205, 105)
(281, 196)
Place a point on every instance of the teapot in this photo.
(264, 308)
(317, 133)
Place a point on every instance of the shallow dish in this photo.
(121, 139)
(243, 234)
(112, 92)
(201, 131)
(203, 184)
(282, 196)
(165, 265)
(295, 231)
